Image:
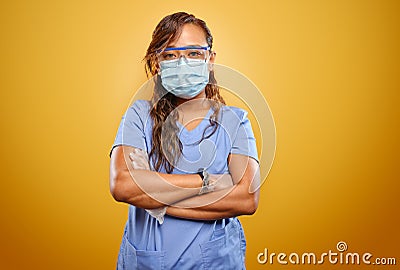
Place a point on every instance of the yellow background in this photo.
(328, 69)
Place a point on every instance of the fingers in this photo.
(212, 180)
(139, 159)
(138, 154)
(222, 181)
(140, 165)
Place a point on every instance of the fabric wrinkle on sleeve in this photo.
(244, 143)
(131, 130)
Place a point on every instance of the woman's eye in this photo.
(194, 54)
(169, 56)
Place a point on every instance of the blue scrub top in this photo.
(183, 243)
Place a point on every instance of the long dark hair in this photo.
(166, 145)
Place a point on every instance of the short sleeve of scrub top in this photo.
(244, 142)
(131, 127)
(183, 243)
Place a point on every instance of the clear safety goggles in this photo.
(193, 55)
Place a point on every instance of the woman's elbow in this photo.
(123, 189)
(251, 204)
(117, 187)
(116, 191)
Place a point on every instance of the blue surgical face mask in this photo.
(185, 78)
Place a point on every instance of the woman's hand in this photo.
(220, 181)
(139, 159)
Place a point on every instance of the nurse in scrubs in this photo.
(184, 161)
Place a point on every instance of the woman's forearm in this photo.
(222, 204)
(166, 189)
(144, 188)
(242, 199)
(149, 189)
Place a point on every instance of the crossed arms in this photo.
(235, 194)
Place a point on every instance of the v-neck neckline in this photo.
(183, 129)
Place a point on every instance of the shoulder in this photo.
(140, 105)
(139, 110)
(232, 113)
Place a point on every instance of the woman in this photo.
(185, 162)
